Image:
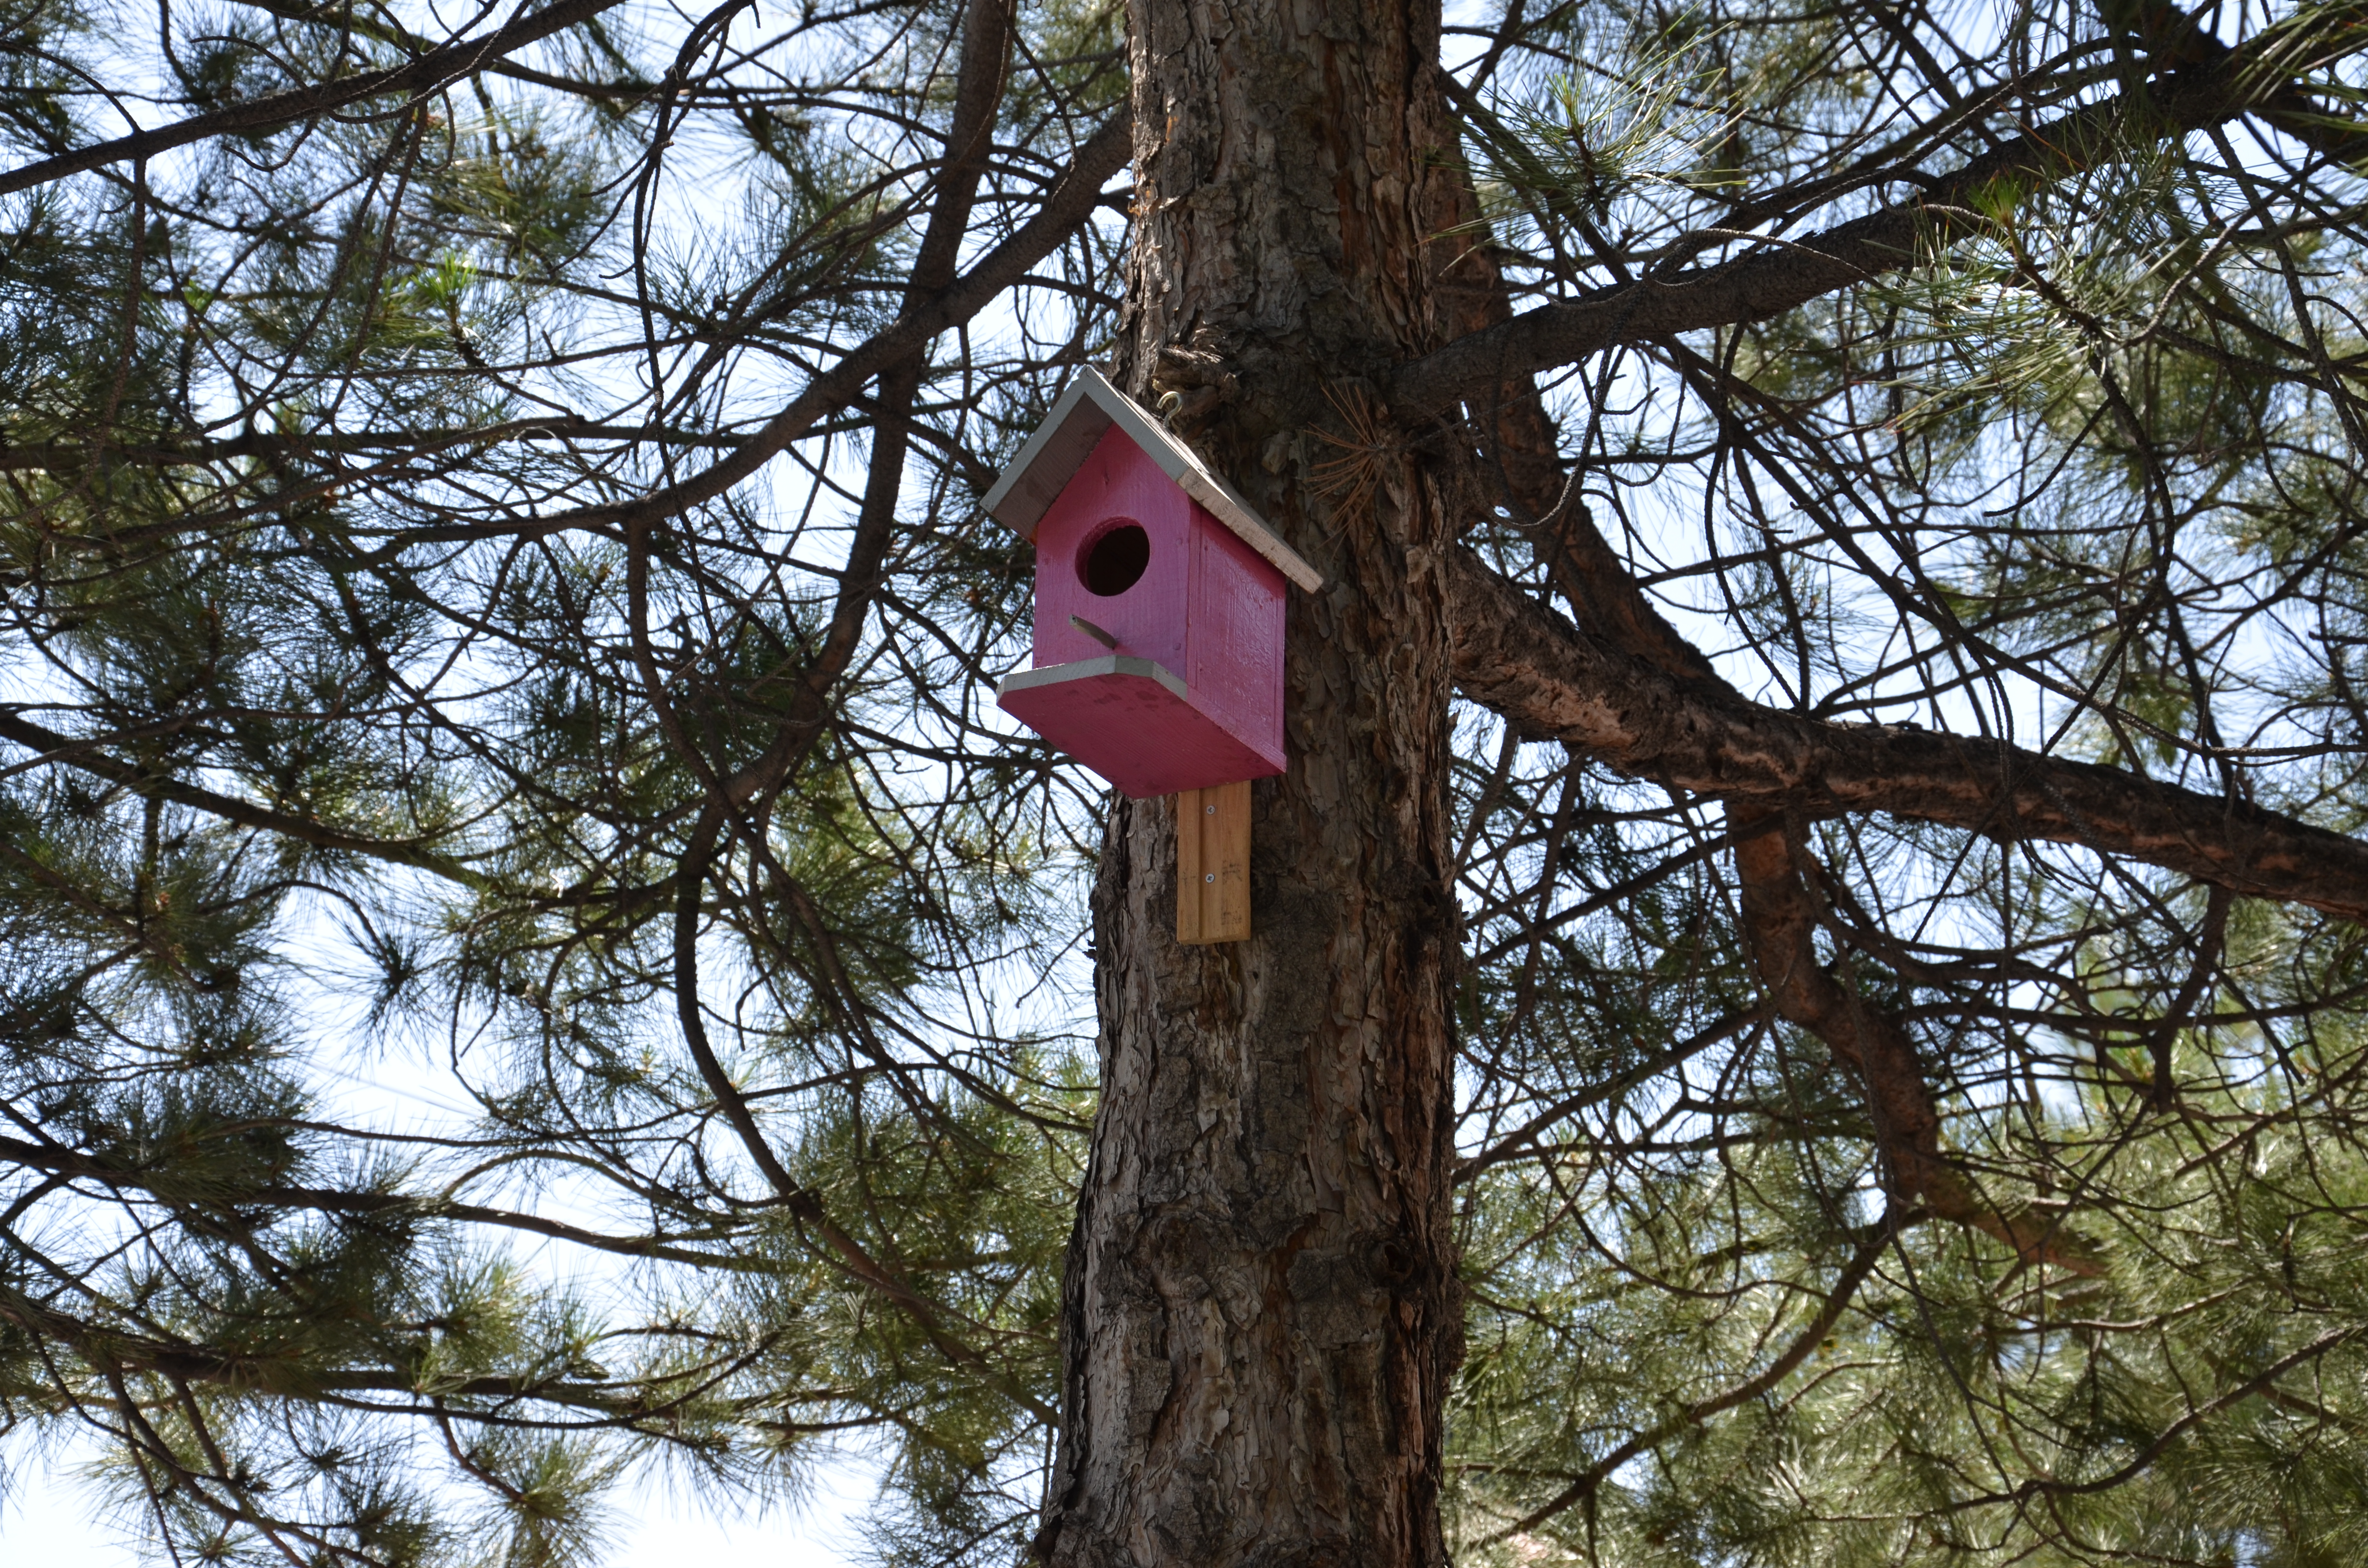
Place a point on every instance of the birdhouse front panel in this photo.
(1114, 551)
(1160, 634)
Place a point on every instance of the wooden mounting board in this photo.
(1212, 864)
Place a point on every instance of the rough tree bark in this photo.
(1261, 1307)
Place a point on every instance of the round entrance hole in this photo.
(1115, 560)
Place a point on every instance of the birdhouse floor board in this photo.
(1134, 723)
(1212, 864)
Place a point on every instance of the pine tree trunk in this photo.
(1261, 1306)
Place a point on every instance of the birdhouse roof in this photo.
(1087, 408)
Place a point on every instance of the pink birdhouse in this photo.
(1159, 602)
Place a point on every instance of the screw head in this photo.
(1209, 877)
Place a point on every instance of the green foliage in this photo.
(2081, 473)
(390, 793)
(528, 962)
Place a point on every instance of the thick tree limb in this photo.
(423, 75)
(1779, 917)
(1779, 911)
(1518, 439)
(2209, 84)
(1550, 679)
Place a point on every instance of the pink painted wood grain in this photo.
(1116, 484)
(1207, 609)
(1136, 732)
(1233, 635)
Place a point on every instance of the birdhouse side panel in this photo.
(1235, 663)
(1084, 551)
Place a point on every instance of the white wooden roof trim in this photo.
(1087, 408)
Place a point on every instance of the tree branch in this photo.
(1779, 921)
(1550, 679)
(2207, 85)
(50, 746)
(1069, 203)
(425, 74)
(1829, 1312)
(395, 1208)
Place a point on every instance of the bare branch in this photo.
(1780, 919)
(1068, 204)
(423, 75)
(1550, 679)
(1789, 273)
